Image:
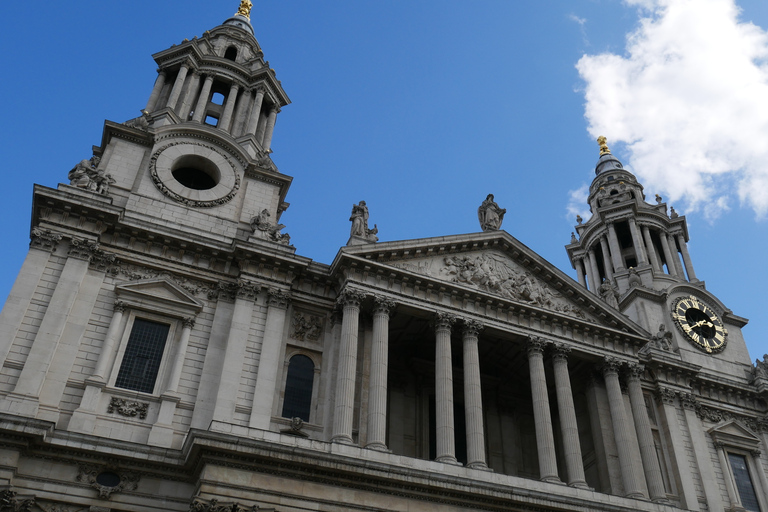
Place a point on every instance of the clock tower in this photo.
(634, 255)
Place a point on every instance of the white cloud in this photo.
(690, 100)
(577, 203)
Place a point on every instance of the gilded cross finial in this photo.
(244, 9)
(603, 145)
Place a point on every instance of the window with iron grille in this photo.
(143, 354)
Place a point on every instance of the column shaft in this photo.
(594, 273)
(686, 258)
(377, 392)
(237, 123)
(637, 241)
(177, 86)
(545, 438)
(229, 107)
(178, 363)
(651, 249)
(253, 120)
(733, 496)
(580, 271)
(645, 436)
(473, 398)
(110, 343)
(345, 382)
(189, 96)
(621, 429)
(606, 258)
(202, 100)
(671, 267)
(266, 143)
(568, 426)
(156, 90)
(613, 241)
(444, 429)
(676, 257)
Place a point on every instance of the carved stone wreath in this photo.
(160, 169)
(125, 408)
(89, 474)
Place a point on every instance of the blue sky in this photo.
(422, 108)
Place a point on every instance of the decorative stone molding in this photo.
(188, 322)
(444, 321)
(82, 249)
(278, 298)
(297, 424)
(247, 290)
(44, 239)
(635, 371)
(560, 351)
(535, 344)
(472, 327)
(119, 306)
(223, 291)
(611, 365)
(665, 395)
(102, 479)
(350, 298)
(712, 415)
(137, 273)
(306, 327)
(383, 305)
(199, 505)
(125, 408)
(103, 261)
(688, 401)
(9, 501)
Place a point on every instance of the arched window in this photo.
(298, 388)
(231, 53)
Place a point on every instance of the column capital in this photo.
(472, 327)
(611, 365)
(560, 351)
(535, 344)
(350, 297)
(247, 290)
(383, 304)
(82, 249)
(259, 89)
(119, 306)
(688, 401)
(635, 371)
(665, 395)
(719, 444)
(278, 298)
(444, 321)
(755, 453)
(44, 239)
(188, 322)
(162, 72)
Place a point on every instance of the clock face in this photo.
(699, 324)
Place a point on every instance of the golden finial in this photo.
(603, 145)
(244, 9)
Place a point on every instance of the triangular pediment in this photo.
(159, 291)
(735, 434)
(496, 264)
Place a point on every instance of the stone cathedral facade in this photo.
(164, 348)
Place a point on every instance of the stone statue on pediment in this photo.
(360, 233)
(609, 293)
(490, 215)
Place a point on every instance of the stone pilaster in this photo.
(545, 438)
(473, 398)
(644, 435)
(568, 426)
(621, 428)
(270, 360)
(377, 393)
(347, 367)
(701, 451)
(444, 426)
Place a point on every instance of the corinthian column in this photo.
(568, 426)
(621, 428)
(644, 435)
(444, 431)
(545, 438)
(345, 381)
(202, 100)
(177, 86)
(377, 394)
(473, 399)
(229, 107)
(613, 242)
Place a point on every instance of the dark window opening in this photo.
(744, 483)
(298, 388)
(196, 179)
(141, 361)
(231, 53)
(108, 479)
(614, 192)
(623, 234)
(600, 261)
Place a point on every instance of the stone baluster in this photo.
(253, 120)
(377, 393)
(229, 108)
(444, 428)
(621, 428)
(178, 85)
(613, 242)
(347, 368)
(473, 398)
(156, 90)
(270, 360)
(568, 426)
(644, 435)
(545, 438)
(202, 100)
(686, 258)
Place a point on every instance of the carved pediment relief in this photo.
(160, 292)
(736, 435)
(496, 273)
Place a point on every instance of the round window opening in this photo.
(108, 479)
(196, 172)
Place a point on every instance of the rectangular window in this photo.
(143, 354)
(744, 485)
